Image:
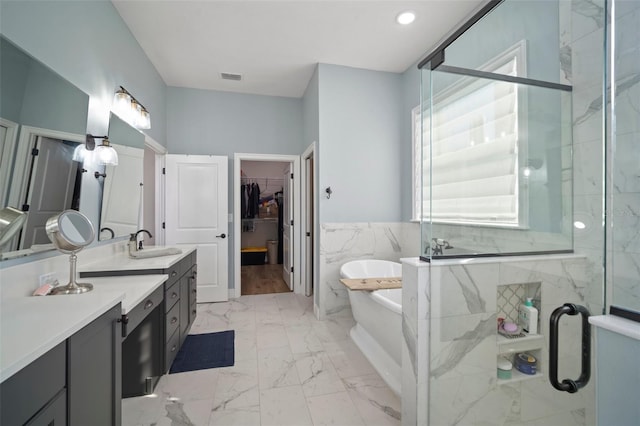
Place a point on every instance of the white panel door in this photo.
(287, 228)
(196, 214)
(122, 189)
(51, 188)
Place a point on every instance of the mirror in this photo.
(11, 221)
(122, 191)
(70, 231)
(42, 119)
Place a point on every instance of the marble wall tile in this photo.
(463, 345)
(466, 292)
(588, 16)
(587, 168)
(463, 387)
(343, 242)
(474, 400)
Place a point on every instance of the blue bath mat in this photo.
(203, 351)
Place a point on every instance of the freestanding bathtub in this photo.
(378, 316)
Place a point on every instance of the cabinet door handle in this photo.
(148, 304)
(174, 295)
(174, 273)
(174, 320)
(569, 385)
(173, 348)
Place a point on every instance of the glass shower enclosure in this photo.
(528, 134)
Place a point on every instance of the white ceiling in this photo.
(276, 44)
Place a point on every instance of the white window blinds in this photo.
(470, 151)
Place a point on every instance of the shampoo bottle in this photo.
(528, 317)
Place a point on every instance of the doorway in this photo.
(266, 217)
(153, 191)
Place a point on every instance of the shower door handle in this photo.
(568, 385)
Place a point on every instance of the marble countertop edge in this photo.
(617, 324)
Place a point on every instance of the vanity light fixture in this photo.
(405, 18)
(130, 109)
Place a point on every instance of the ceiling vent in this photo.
(231, 76)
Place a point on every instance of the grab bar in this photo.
(568, 385)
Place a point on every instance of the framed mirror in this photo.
(42, 119)
(121, 213)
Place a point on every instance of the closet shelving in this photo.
(266, 212)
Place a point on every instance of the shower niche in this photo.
(515, 346)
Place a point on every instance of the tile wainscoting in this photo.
(343, 242)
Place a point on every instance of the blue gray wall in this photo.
(221, 123)
(87, 43)
(360, 144)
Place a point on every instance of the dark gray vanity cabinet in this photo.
(75, 383)
(28, 393)
(142, 347)
(178, 304)
(94, 360)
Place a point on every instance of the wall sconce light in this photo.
(82, 150)
(105, 153)
(531, 165)
(130, 109)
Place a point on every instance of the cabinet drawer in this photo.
(171, 296)
(30, 389)
(172, 320)
(174, 273)
(142, 309)
(171, 350)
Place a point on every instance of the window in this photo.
(477, 127)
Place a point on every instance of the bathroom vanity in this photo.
(153, 332)
(75, 382)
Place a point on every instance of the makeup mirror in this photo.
(70, 231)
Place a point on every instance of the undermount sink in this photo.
(147, 253)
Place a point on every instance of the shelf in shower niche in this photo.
(519, 344)
(517, 376)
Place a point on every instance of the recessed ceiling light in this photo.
(405, 18)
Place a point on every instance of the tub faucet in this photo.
(133, 246)
(439, 245)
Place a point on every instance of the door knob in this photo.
(221, 236)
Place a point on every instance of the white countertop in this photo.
(617, 325)
(32, 325)
(122, 261)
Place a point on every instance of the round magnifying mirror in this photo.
(70, 231)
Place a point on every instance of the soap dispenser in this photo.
(528, 317)
(133, 247)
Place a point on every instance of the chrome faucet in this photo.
(133, 245)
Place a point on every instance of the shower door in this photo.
(512, 208)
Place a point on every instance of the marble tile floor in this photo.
(290, 369)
